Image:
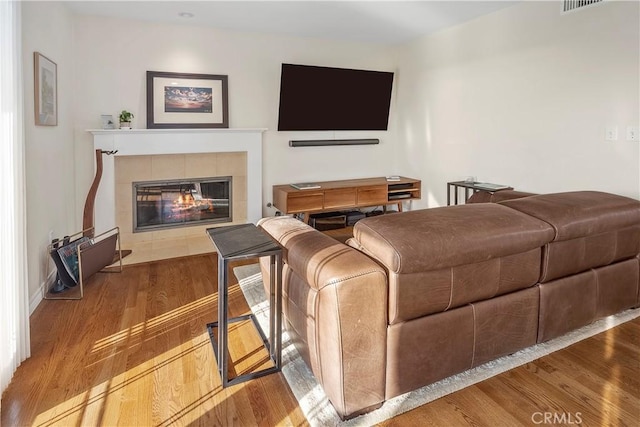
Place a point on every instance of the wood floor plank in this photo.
(136, 351)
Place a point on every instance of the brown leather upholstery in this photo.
(592, 230)
(452, 288)
(434, 347)
(617, 286)
(567, 304)
(505, 324)
(496, 196)
(467, 253)
(335, 301)
(580, 213)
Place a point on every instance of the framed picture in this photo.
(45, 90)
(179, 100)
(107, 121)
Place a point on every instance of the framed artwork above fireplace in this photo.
(182, 100)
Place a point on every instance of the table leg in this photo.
(222, 319)
(448, 194)
(272, 306)
(278, 310)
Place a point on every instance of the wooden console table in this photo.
(345, 194)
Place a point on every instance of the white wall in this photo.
(113, 55)
(50, 166)
(522, 97)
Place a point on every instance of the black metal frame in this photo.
(273, 344)
(469, 189)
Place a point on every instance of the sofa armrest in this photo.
(339, 297)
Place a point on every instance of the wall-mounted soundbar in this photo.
(321, 142)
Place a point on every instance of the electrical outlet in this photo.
(632, 133)
(611, 133)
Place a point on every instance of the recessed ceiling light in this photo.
(185, 15)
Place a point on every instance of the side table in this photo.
(238, 242)
(470, 188)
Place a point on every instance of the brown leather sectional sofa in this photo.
(421, 295)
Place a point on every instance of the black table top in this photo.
(480, 185)
(242, 241)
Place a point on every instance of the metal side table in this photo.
(470, 188)
(238, 242)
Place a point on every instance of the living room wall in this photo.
(49, 151)
(523, 97)
(112, 56)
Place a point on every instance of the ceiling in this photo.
(384, 22)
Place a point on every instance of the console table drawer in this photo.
(305, 202)
(372, 195)
(341, 198)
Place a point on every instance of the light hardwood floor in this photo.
(135, 352)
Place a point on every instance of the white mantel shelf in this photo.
(188, 130)
(138, 142)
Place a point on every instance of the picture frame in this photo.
(45, 90)
(107, 121)
(185, 100)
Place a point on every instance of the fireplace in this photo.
(179, 203)
(145, 155)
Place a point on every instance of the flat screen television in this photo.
(325, 98)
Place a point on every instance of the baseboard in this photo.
(36, 298)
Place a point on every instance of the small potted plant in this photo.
(125, 119)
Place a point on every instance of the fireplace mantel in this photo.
(138, 142)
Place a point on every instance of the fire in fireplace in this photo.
(177, 203)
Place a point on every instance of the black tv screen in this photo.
(325, 98)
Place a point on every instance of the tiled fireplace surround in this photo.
(149, 155)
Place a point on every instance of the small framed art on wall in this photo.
(45, 90)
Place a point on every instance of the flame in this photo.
(185, 201)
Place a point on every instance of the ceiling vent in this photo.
(572, 5)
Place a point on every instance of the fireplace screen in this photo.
(163, 204)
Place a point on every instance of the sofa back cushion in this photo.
(591, 229)
(483, 196)
(442, 258)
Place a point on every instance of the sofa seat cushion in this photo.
(592, 229)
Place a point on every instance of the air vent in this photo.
(572, 5)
